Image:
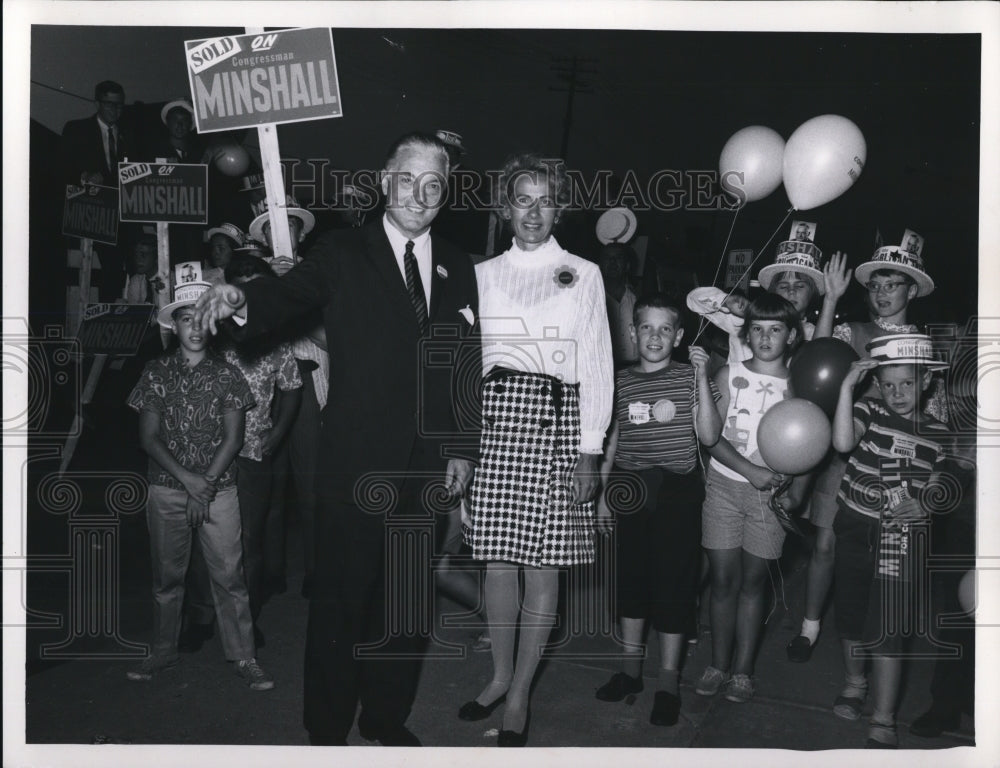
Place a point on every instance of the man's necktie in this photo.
(112, 150)
(415, 287)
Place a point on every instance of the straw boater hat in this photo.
(176, 104)
(796, 255)
(256, 229)
(903, 258)
(252, 247)
(188, 288)
(452, 139)
(231, 231)
(616, 225)
(903, 349)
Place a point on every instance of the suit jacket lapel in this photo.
(437, 282)
(382, 257)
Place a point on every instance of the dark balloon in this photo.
(818, 369)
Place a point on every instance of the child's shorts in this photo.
(736, 515)
(657, 551)
(882, 612)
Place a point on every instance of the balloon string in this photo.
(703, 322)
(763, 248)
(760, 252)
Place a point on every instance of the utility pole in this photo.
(569, 70)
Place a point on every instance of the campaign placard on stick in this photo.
(114, 329)
(736, 265)
(241, 81)
(175, 193)
(91, 212)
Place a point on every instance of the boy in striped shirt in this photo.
(663, 407)
(896, 450)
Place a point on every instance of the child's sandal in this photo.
(881, 736)
(850, 704)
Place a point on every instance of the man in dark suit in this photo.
(405, 370)
(91, 149)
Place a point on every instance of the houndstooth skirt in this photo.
(522, 493)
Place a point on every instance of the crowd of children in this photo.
(224, 431)
(867, 500)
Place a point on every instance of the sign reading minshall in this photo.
(241, 81)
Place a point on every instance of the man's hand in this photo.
(217, 303)
(282, 265)
(197, 512)
(586, 477)
(199, 488)
(837, 276)
(457, 476)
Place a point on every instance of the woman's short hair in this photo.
(551, 171)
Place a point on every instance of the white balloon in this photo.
(755, 152)
(823, 158)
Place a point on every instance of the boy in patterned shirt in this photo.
(663, 409)
(273, 376)
(191, 418)
(896, 451)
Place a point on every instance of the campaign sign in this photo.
(175, 193)
(736, 265)
(91, 212)
(114, 329)
(241, 81)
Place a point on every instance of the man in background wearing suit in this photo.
(398, 416)
(91, 149)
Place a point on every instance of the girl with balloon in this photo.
(739, 530)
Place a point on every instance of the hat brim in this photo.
(863, 272)
(932, 365)
(220, 231)
(768, 273)
(256, 230)
(610, 229)
(163, 317)
(174, 105)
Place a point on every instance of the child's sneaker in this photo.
(739, 689)
(256, 677)
(150, 666)
(710, 682)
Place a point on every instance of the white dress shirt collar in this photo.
(421, 250)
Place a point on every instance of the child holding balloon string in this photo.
(896, 453)
(739, 530)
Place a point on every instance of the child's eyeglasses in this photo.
(887, 288)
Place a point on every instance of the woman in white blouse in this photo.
(547, 396)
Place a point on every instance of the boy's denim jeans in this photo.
(170, 547)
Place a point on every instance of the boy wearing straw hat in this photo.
(191, 418)
(896, 451)
(893, 277)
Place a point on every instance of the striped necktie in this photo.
(112, 150)
(415, 287)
